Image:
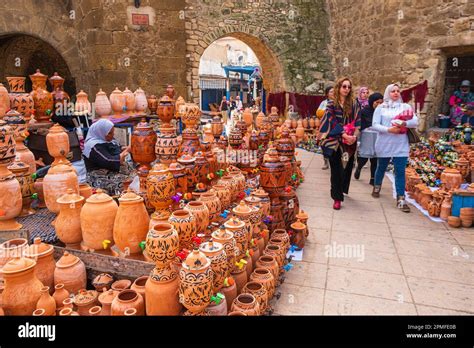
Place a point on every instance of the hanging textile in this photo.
(419, 92)
(305, 105)
(278, 100)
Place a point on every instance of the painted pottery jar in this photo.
(185, 224)
(298, 237)
(213, 204)
(102, 104)
(228, 181)
(20, 100)
(57, 142)
(217, 127)
(152, 102)
(7, 143)
(202, 166)
(170, 91)
(285, 145)
(46, 302)
(239, 178)
(215, 252)
(237, 227)
(244, 213)
(102, 282)
(143, 145)
(463, 166)
(426, 196)
(259, 120)
(22, 288)
(131, 223)
(20, 170)
(276, 211)
(291, 205)
(190, 143)
(127, 299)
(235, 138)
(226, 238)
(167, 145)
(190, 114)
(247, 304)
(178, 106)
(42, 253)
(259, 291)
(270, 263)
(96, 232)
(68, 223)
(242, 127)
(70, 271)
(179, 175)
(223, 193)
(191, 171)
(200, 212)
(43, 100)
(117, 101)
(160, 187)
(264, 201)
(272, 174)
(162, 244)
(57, 181)
(166, 110)
(18, 125)
(11, 249)
(274, 240)
(58, 93)
(140, 101)
(196, 282)
(276, 252)
(85, 300)
(451, 178)
(264, 277)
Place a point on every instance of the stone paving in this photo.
(406, 265)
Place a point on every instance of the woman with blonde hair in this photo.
(339, 129)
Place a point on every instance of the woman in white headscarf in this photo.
(392, 141)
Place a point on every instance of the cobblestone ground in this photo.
(410, 265)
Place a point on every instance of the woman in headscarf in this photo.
(366, 138)
(104, 158)
(392, 141)
(362, 99)
(339, 129)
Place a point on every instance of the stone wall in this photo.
(383, 41)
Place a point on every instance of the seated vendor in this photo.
(468, 117)
(459, 99)
(105, 160)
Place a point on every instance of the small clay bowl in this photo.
(466, 222)
(122, 284)
(454, 221)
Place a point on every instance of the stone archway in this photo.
(272, 69)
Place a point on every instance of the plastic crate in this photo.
(464, 200)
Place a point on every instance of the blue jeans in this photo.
(400, 164)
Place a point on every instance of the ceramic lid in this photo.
(160, 215)
(38, 249)
(159, 168)
(252, 200)
(116, 91)
(211, 247)
(85, 297)
(56, 77)
(99, 197)
(69, 197)
(234, 223)
(242, 209)
(196, 260)
(221, 233)
(298, 225)
(81, 94)
(67, 260)
(260, 193)
(302, 215)
(130, 196)
(126, 90)
(108, 296)
(175, 167)
(186, 159)
(18, 264)
(13, 117)
(18, 167)
(38, 74)
(101, 92)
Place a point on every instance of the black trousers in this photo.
(361, 161)
(340, 176)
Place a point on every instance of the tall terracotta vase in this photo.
(237, 227)
(43, 100)
(167, 145)
(226, 238)
(185, 224)
(131, 223)
(117, 101)
(216, 253)
(196, 282)
(152, 102)
(57, 142)
(166, 110)
(42, 253)
(20, 170)
(97, 232)
(68, 223)
(59, 179)
(213, 203)
(20, 100)
(140, 101)
(22, 287)
(60, 97)
(143, 147)
(102, 104)
(160, 187)
(129, 102)
(71, 272)
(200, 213)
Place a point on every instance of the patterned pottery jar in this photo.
(160, 187)
(20, 100)
(216, 253)
(167, 145)
(276, 251)
(237, 228)
(165, 110)
(185, 224)
(247, 304)
(200, 213)
(239, 178)
(270, 263)
(189, 162)
(272, 174)
(226, 238)
(85, 300)
(180, 179)
(223, 193)
(259, 292)
(43, 100)
(244, 213)
(213, 203)
(162, 244)
(264, 201)
(228, 182)
(143, 145)
(264, 277)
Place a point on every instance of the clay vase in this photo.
(191, 170)
(223, 193)
(68, 223)
(235, 138)
(140, 101)
(167, 145)
(59, 179)
(202, 166)
(160, 187)
(268, 262)
(129, 102)
(239, 179)
(265, 277)
(229, 290)
(298, 234)
(95, 232)
(244, 213)
(143, 146)
(43, 100)
(11, 249)
(45, 265)
(264, 201)
(445, 208)
(85, 300)
(247, 117)
(166, 110)
(283, 236)
(161, 291)
(22, 289)
(238, 229)
(59, 295)
(190, 114)
(285, 145)
(117, 101)
(247, 304)
(82, 105)
(213, 203)
(276, 251)
(162, 244)
(102, 104)
(60, 98)
(71, 272)
(131, 223)
(216, 253)
(200, 213)
(196, 282)
(127, 299)
(217, 127)
(226, 238)
(20, 170)
(139, 286)
(240, 277)
(299, 131)
(272, 174)
(228, 182)
(57, 142)
(190, 143)
(259, 292)
(185, 224)
(105, 300)
(102, 282)
(20, 100)
(451, 179)
(152, 104)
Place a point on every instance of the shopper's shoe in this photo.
(326, 164)
(402, 204)
(357, 173)
(376, 191)
(336, 205)
(371, 182)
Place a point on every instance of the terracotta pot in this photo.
(426, 196)
(454, 221)
(270, 263)
(191, 171)
(22, 289)
(46, 302)
(185, 224)
(162, 295)
(190, 143)
(180, 179)
(20, 171)
(244, 213)
(117, 101)
(11, 249)
(96, 231)
(162, 244)
(85, 300)
(165, 110)
(219, 309)
(451, 179)
(230, 293)
(200, 213)
(299, 234)
(66, 312)
(140, 101)
(60, 294)
(19, 100)
(275, 251)
(59, 179)
(131, 223)
(272, 174)
(264, 201)
(285, 146)
(139, 286)
(85, 190)
(220, 268)
(43, 100)
(60, 98)
(129, 102)
(82, 105)
(226, 238)
(45, 265)
(102, 282)
(152, 104)
(228, 182)
(283, 236)
(127, 299)
(235, 138)
(247, 304)
(157, 217)
(17, 124)
(240, 277)
(259, 292)
(102, 104)
(445, 208)
(196, 282)
(265, 277)
(143, 145)
(105, 300)
(217, 127)
(68, 223)
(202, 166)
(239, 178)
(190, 114)
(95, 311)
(167, 145)
(71, 272)
(223, 193)
(38, 188)
(237, 228)
(121, 284)
(213, 204)
(160, 187)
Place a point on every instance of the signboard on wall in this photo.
(140, 18)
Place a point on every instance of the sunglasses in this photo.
(346, 86)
